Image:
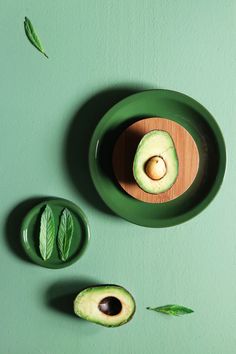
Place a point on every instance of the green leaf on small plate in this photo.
(47, 233)
(65, 234)
(173, 310)
(33, 37)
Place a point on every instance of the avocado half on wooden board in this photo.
(155, 166)
(106, 305)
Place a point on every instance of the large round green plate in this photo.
(30, 233)
(192, 116)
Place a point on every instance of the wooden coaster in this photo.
(125, 148)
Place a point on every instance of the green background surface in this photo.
(108, 48)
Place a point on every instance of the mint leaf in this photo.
(173, 310)
(65, 234)
(47, 233)
(33, 37)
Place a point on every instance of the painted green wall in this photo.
(118, 46)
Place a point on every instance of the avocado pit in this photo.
(155, 168)
(110, 306)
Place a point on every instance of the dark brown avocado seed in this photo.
(110, 306)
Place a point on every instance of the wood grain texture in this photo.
(125, 148)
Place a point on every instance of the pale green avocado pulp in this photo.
(107, 305)
(158, 144)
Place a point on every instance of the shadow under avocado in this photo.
(123, 155)
(60, 296)
(13, 225)
(78, 139)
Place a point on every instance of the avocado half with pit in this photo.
(107, 305)
(156, 166)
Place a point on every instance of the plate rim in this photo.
(83, 217)
(208, 117)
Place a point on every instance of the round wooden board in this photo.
(125, 148)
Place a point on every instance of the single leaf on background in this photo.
(174, 310)
(65, 234)
(33, 37)
(47, 233)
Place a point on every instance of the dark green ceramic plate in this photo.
(30, 233)
(192, 116)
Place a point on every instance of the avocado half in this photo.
(156, 166)
(106, 305)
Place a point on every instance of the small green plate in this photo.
(30, 233)
(193, 117)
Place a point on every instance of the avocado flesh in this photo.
(156, 143)
(107, 305)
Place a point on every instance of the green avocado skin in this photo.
(156, 143)
(90, 293)
(115, 325)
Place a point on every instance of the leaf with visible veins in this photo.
(47, 233)
(33, 37)
(173, 310)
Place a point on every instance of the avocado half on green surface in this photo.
(107, 305)
(156, 166)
